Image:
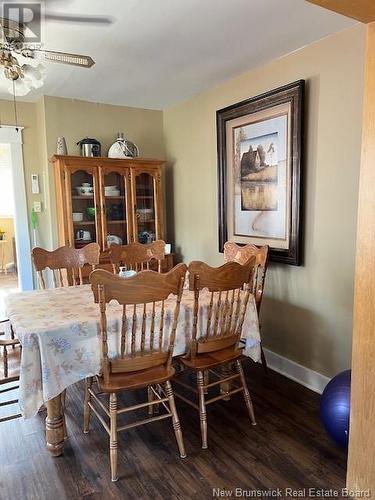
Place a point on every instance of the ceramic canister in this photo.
(61, 148)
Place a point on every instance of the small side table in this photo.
(2, 253)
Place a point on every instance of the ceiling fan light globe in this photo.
(32, 72)
(37, 84)
(42, 70)
(21, 88)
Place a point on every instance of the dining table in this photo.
(59, 331)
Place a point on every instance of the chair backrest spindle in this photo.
(103, 328)
(152, 327)
(161, 326)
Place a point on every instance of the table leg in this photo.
(55, 427)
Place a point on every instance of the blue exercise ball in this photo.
(335, 408)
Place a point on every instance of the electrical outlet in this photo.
(37, 206)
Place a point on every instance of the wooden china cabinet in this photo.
(108, 200)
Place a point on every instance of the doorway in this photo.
(15, 260)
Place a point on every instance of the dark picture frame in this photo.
(262, 182)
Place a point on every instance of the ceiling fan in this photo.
(13, 44)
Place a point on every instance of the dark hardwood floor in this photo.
(287, 449)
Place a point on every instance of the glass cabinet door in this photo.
(115, 199)
(82, 206)
(145, 206)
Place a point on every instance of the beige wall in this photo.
(307, 312)
(75, 120)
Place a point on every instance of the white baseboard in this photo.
(304, 376)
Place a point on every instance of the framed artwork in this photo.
(259, 169)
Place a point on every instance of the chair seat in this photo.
(14, 358)
(211, 359)
(135, 380)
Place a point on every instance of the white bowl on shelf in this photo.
(111, 191)
(112, 238)
(84, 190)
(77, 216)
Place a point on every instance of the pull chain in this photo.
(15, 106)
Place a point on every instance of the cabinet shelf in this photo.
(82, 197)
(84, 223)
(121, 221)
(82, 243)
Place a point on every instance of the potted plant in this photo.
(2, 234)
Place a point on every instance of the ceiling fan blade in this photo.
(70, 18)
(3, 38)
(60, 57)
(44, 1)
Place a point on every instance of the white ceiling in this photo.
(159, 52)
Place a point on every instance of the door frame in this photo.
(13, 135)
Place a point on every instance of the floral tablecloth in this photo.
(60, 337)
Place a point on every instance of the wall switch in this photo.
(37, 205)
(35, 184)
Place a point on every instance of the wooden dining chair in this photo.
(66, 263)
(9, 372)
(215, 339)
(147, 330)
(241, 254)
(137, 256)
